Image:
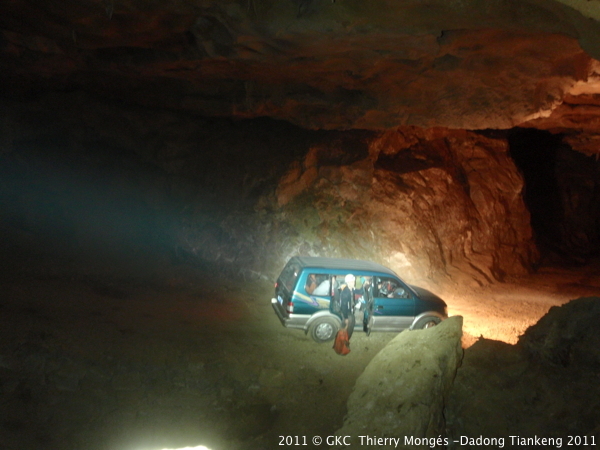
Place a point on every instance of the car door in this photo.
(392, 307)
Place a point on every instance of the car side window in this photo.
(390, 288)
(322, 284)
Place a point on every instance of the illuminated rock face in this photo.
(459, 209)
(433, 204)
(429, 203)
(403, 390)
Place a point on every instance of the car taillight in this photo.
(290, 308)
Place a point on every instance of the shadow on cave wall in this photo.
(84, 173)
(562, 193)
(83, 176)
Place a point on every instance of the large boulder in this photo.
(545, 386)
(403, 390)
(567, 335)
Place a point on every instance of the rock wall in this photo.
(432, 204)
(403, 390)
(562, 195)
(316, 63)
(578, 182)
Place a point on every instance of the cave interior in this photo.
(457, 143)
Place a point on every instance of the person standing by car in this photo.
(362, 291)
(347, 303)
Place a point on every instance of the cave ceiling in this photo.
(320, 64)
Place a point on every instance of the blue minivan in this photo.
(307, 291)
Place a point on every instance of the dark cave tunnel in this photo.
(562, 193)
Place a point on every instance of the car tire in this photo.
(323, 329)
(426, 322)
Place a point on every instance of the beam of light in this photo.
(199, 447)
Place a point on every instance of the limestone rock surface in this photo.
(403, 390)
(316, 63)
(428, 203)
(431, 204)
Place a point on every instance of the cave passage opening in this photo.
(562, 193)
(534, 152)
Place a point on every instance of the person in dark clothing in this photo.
(347, 303)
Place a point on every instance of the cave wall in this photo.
(432, 204)
(79, 172)
(466, 207)
(83, 173)
(139, 114)
(578, 178)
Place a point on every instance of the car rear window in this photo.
(289, 275)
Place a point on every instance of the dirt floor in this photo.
(130, 351)
(504, 311)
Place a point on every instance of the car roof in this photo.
(349, 265)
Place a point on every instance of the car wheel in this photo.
(323, 329)
(426, 322)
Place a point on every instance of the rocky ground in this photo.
(130, 351)
(139, 353)
(542, 392)
(504, 311)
